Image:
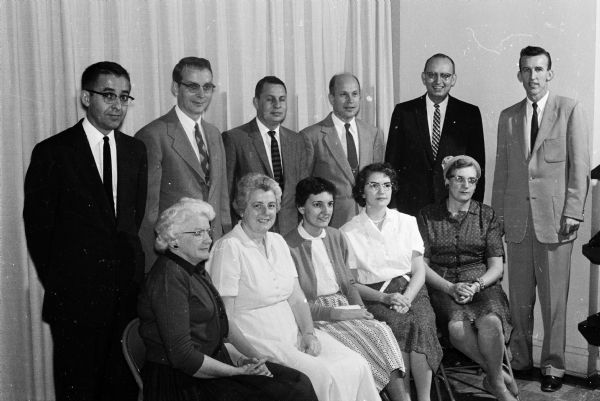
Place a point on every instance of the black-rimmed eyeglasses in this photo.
(111, 98)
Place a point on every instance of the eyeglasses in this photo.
(200, 233)
(444, 76)
(375, 186)
(195, 88)
(461, 180)
(111, 98)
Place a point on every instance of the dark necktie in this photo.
(436, 131)
(204, 160)
(351, 147)
(276, 160)
(107, 172)
(534, 127)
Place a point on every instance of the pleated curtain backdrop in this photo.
(46, 45)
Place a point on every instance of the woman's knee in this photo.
(456, 331)
(489, 325)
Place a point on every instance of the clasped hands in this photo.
(254, 366)
(398, 302)
(462, 292)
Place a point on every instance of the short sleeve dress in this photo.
(458, 248)
(261, 287)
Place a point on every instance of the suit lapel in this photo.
(365, 141)
(88, 171)
(519, 124)
(214, 155)
(181, 144)
(287, 154)
(332, 142)
(448, 128)
(548, 118)
(259, 147)
(423, 129)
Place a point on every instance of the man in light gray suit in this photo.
(340, 145)
(540, 186)
(264, 146)
(186, 157)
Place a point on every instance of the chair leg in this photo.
(506, 365)
(441, 376)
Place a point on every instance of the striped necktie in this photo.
(436, 131)
(276, 160)
(204, 159)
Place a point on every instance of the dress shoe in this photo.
(551, 383)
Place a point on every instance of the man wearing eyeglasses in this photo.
(541, 182)
(264, 146)
(85, 192)
(339, 146)
(425, 130)
(186, 157)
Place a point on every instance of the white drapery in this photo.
(45, 46)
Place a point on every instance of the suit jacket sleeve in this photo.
(476, 149)
(154, 177)
(309, 152)
(578, 164)
(224, 196)
(231, 167)
(501, 169)
(39, 212)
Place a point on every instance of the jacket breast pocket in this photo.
(555, 150)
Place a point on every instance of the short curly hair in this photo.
(312, 186)
(250, 183)
(358, 192)
(170, 219)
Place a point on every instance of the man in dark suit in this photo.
(264, 146)
(85, 193)
(541, 182)
(340, 145)
(425, 130)
(185, 153)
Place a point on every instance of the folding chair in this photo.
(134, 352)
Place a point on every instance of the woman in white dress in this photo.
(254, 272)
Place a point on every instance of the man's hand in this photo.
(568, 226)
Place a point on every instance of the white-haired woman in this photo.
(255, 273)
(184, 324)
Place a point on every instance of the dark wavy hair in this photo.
(358, 191)
(312, 186)
(91, 73)
(532, 51)
(269, 79)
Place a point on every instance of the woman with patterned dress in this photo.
(253, 270)
(464, 252)
(391, 273)
(321, 255)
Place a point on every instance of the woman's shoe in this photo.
(502, 395)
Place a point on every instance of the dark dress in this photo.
(183, 319)
(458, 248)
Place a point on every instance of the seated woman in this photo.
(183, 324)
(463, 248)
(391, 273)
(321, 255)
(255, 273)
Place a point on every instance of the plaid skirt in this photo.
(372, 339)
(415, 330)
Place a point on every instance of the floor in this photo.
(467, 387)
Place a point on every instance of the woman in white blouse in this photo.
(254, 272)
(391, 273)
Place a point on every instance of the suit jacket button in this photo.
(527, 198)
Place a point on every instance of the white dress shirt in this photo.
(431, 109)
(341, 131)
(96, 140)
(264, 133)
(541, 104)
(189, 127)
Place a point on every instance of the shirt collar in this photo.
(185, 120)
(187, 266)
(264, 129)
(306, 235)
(93, 135)
(443, 104)
(340, 125)
(541, 104)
